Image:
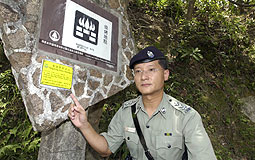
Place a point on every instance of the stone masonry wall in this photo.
(47, 108)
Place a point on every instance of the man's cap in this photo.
(148, 54)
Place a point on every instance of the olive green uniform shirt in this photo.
(171, 126)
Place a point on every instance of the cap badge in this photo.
(150, 54)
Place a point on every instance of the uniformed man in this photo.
(168, 126)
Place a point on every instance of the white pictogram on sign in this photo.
(85, 28)
(87, 32)
(54, 35)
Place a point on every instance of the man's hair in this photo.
(163, 63)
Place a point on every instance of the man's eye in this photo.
(138, 71)
(152, 69)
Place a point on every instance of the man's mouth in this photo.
(145, 85)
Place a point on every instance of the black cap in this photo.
(148, 54)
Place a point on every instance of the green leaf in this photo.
(9, 148)
(14, 131)
(27, 131)
(5, 139)
(34, 144)
(25, 143)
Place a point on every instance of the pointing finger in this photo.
(71, 109)
(77, 107)
(75, 99)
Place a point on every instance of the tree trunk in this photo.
(190, 9)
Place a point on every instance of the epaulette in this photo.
(179, 105)
(130, 102)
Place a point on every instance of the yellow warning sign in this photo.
(56, 75)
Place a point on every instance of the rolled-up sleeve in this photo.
(114, 135)
(196, 139)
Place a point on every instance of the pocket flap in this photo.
(131, 137)
(169, 142)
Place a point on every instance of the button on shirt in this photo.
(171, 126)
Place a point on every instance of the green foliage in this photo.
(216, 96)
(171, 8)
(8, 90)
(17, 138)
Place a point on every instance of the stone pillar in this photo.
(47, 108)
(63, 142)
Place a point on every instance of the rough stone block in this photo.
(17, 39)
(20, 60)
(249, 107)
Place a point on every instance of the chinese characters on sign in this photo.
(56, 75)
(105, 34)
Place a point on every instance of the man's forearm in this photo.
(96, 141)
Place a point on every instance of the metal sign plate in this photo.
(81, 31)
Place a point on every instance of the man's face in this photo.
(149, 77)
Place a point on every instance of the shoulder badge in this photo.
(179, 105)
(129, 103)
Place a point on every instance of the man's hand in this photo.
(77, 114)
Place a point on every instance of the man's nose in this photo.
(144, 75)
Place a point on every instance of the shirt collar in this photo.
(139, 105)
(162, 108)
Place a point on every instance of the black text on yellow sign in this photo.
(56, 75)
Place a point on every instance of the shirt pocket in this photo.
(132, 140)
(168, 147)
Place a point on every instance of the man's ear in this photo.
(166, 74)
